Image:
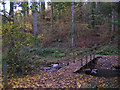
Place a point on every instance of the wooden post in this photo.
(86, 59)
(73, 61)
(91, 54)
(81, 62)
(94, 53)
(90, 57)
(67, 63)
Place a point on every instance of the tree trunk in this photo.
(43, 9)
(11, 12)
(93, 15)
(4, 8)
(39, 6)
(118, 10)
(35, 24)
(113, 26)
(73, 25)
(27, 7)
(4, 18)
(52, 15)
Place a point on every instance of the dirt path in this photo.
(107, 62)
(105, 66)
(64, 78)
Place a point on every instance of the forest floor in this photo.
(67, 79)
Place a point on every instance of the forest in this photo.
(59, 44)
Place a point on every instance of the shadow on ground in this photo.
(105, 73)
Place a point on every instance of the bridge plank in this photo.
(73, 67)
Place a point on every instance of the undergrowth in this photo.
(31, 59)
(108, 50)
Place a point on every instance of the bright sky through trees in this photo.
(7, 5)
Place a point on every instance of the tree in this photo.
(52, 15)
(4, 18)
(93, 15)
(34, 7)
(113, 17)
(4, 8)
(43, 9)
(118, 10)
(35, 23)
(25, 7)
(73, 25)
(11, 12)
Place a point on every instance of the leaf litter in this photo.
(63, 79)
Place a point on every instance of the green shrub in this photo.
(55, 52)
(13, 41)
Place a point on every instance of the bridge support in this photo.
(91, 64)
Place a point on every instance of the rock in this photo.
(57, 66)
(112, 68)
(52, 70)
(94, 71)
(87, 71)
(90, 71)
(116, 67)
(46, 68)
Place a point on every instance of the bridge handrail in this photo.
(84, 54)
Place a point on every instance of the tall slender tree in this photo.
(4, 7)
(73, 24)
(4, 12)
(93, 5)
(118, 10)
(11, 12)
(113, 17)
(35, 23)
(35, 20)
(4, 61)
(52, 15)
(43, 9)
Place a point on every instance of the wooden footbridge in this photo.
(76, 65)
